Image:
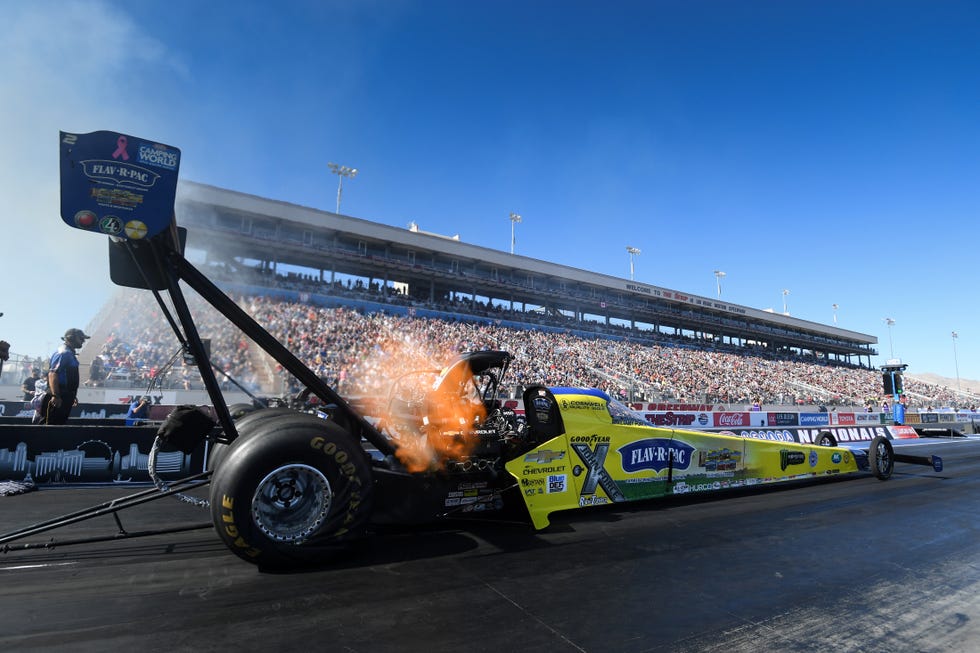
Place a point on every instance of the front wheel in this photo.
(825, 439)
(291, 492)
(881, 457)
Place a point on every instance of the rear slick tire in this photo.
(245, 422)
(292, 492)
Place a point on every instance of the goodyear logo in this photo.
(655, 454)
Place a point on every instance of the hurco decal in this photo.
(655, 454)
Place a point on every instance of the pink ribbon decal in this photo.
(121, 149)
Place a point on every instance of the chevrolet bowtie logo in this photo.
(543, 456)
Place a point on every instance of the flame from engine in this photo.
(429, 416)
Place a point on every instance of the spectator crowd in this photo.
(360, 354)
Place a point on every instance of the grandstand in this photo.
(356, 300)
(421, 270)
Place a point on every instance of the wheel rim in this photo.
(884, 459)
(291, 503)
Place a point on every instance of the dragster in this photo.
(289, 487)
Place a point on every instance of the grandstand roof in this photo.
(235, 226)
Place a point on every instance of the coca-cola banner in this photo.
(732, 420)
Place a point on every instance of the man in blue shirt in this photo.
(63, 379)
(139, 410)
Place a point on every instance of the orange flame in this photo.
(430, 414)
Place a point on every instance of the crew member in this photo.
(63, 379)
(139, 410)
(27, 387)
(4, 352)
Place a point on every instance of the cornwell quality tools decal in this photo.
(596, 474)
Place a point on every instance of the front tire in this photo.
(881, 457)
(291, 492)
(825, 439)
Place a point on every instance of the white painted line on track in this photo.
(39, 566)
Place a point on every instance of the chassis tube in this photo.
(217, 298)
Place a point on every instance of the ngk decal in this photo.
(729, 420)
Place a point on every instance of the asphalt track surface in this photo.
(852, 564)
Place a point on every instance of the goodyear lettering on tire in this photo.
(231, 529)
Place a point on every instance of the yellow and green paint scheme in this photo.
(606, 454)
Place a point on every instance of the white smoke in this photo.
(73, 66)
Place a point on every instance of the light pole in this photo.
(718, 275)
(632, 252)
(514, 219)
(891, 349)
(956, 362)
(785, 310)
(835, 307)
(341, 172)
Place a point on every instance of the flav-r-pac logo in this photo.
(543, 456)
(656, 454)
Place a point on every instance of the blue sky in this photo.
(827, 148)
